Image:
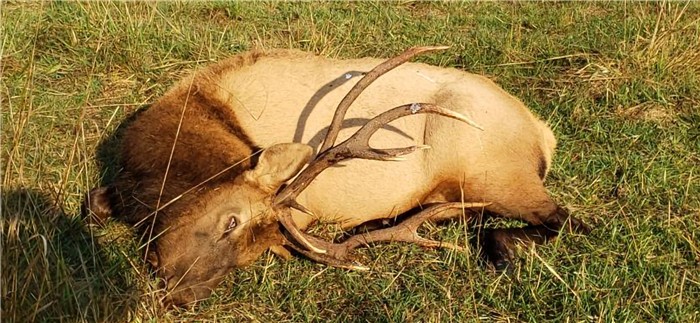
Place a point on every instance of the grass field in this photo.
(618, 82)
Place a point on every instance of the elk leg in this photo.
(500, 244)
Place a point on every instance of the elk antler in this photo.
(357, 146)
(363, 83)
(406, 231)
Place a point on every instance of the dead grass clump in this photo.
(654, 112)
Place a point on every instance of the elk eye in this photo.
(231, 224)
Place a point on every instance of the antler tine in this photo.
(358, 144)
(330, 260)
(285, 218)
(363, 83)
(406, 231)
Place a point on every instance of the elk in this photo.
(238, 158)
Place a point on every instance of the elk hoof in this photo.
(578, 226)
(498, 249)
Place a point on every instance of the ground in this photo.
(618, 82)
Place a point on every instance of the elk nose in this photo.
(177, 295)
(183, 298)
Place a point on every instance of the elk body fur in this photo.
(275, 97)
(222, 114)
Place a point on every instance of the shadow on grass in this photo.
(54, 269)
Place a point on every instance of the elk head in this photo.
(234, 224)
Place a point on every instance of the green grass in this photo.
(618, 82)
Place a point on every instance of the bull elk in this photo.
(232, 161)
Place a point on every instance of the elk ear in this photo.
(279, 163)
(96, 207)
